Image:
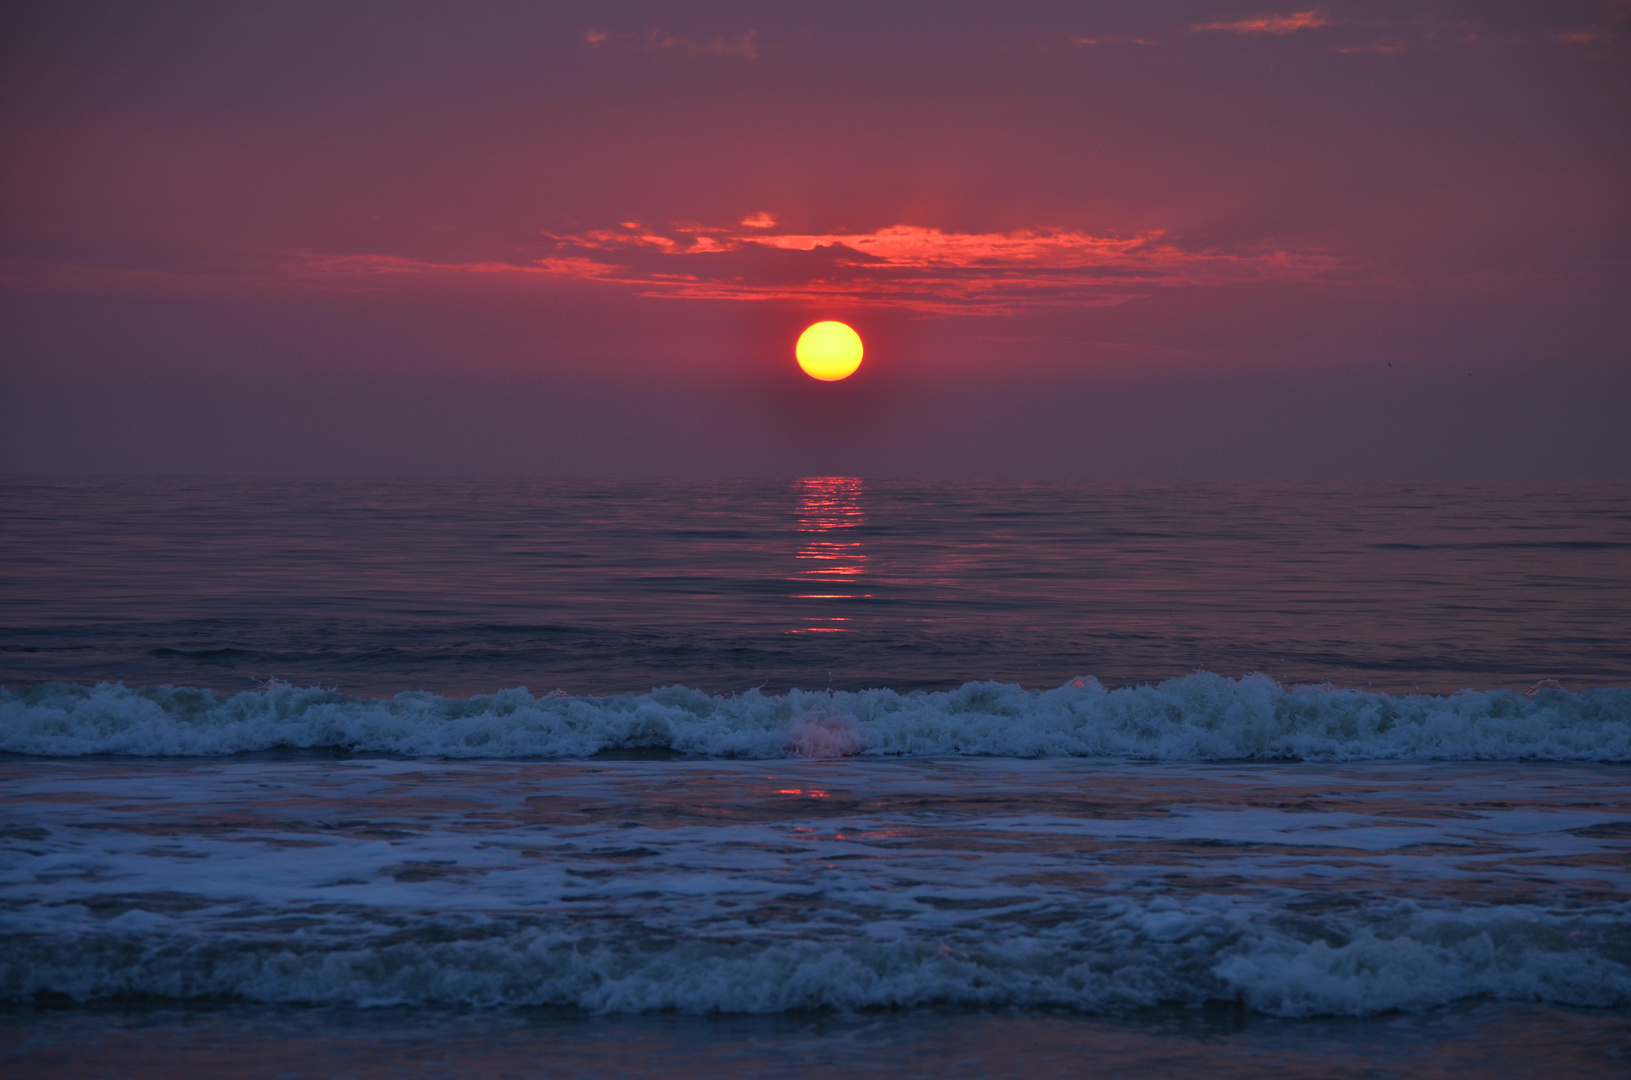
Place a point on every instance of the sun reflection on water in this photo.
(831, 564)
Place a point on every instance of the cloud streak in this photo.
(741, 45)
(907, 266)
(1278, 25)
(744, 44)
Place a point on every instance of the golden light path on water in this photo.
(831, 564)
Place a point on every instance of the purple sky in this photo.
(1136, 239)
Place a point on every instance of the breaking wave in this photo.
(1115, 955)
(1201, 717)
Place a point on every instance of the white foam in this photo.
(1119, 954)
(1200, 717)
(738, 886)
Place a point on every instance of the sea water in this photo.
(816, 778)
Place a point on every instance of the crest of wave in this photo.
(1198, 717)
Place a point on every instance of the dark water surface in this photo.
(461, 587)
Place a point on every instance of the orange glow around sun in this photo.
(829, 351)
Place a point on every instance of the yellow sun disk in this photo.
(829, 351)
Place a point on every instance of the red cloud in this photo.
(921, 269)
(1270, 24)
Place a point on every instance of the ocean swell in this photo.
(1201, 717)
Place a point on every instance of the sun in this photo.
(829, 351)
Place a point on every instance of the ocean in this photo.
(817, 777)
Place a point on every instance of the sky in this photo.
(1152, 239)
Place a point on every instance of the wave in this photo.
(1116, 955)
(1201, 717)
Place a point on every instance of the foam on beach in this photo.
(1201, 717)
(1119, 955)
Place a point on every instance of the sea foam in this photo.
(1201, 717)
(1115, 955)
